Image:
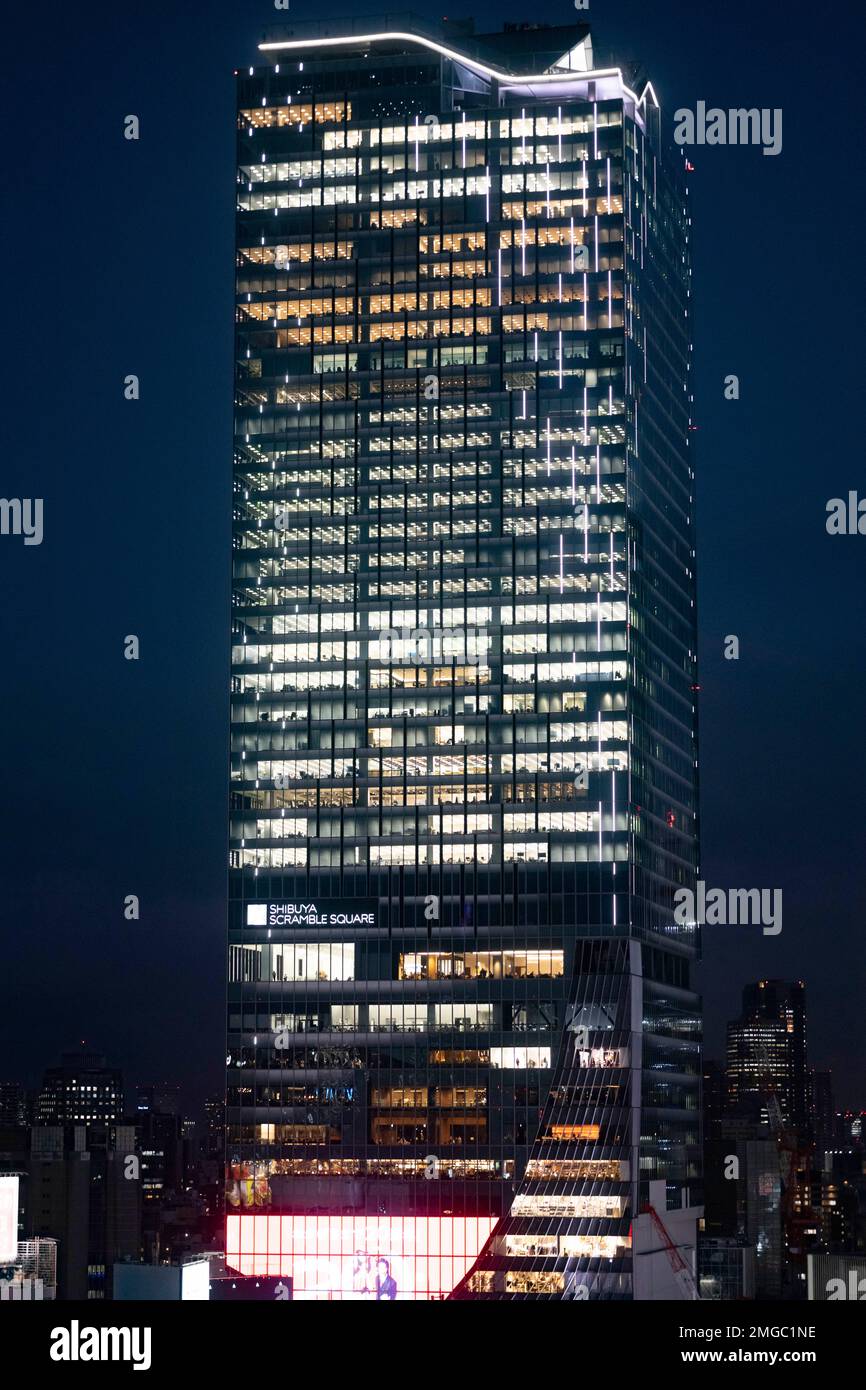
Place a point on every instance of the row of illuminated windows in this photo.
(586, 1169)
(302, 680)
(321, 591)
(604, 1207)
(564, 671)
(457, 764)
(433, 437)
(414, 301)
(414, 1018)
(540, 852)
(594, 1247)
(297, 113)
(426, 645)
(327, 960)
(539, 179)
(411, 415)
(253, 655)
(504, 1058)
(584, 463)
(329, 165)
(298, 277)
(427, 190)
(436, 131)
(515, 1282)
(282, 254)
(459, 328)
(483, 965)
(339, 1018)
(448, 793)
(344, 1018)
(391, 1167)
(561, 207)
(347, 533)
(419, 1097)
(431, 620)
(302, 961)
(460, 824)
(277, 516)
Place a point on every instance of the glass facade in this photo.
(463, 769)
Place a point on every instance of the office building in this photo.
(767, 1045)
(462, 1034)
(85, 1193)
(83, 1089)
(14, 1105)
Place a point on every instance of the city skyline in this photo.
(756, 526)
(120, 729)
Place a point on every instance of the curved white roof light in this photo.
(508, 79)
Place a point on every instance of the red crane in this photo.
(682, 1274)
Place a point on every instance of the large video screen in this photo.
(381, 1258)
(8, 1219)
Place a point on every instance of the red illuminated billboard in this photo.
(381, 1258)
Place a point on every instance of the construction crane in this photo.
(683, 1276)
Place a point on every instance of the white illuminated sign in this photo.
(322, 914)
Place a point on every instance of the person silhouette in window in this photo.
(386, 1285)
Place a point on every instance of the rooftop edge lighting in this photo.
(508, 78)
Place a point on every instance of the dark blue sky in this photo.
(118, 258)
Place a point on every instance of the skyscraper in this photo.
(462, 1035)
(767, 1048)
(83, 1088)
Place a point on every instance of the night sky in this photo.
(118, 258)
